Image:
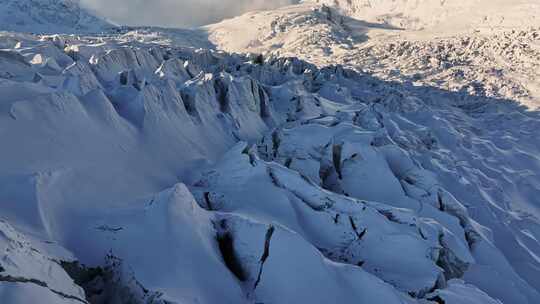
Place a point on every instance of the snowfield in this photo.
(309, 154)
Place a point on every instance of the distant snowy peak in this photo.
(442, 15)
(49, 16)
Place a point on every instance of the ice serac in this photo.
(169, 242)
(343, 229)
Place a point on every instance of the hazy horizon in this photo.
(176, 13)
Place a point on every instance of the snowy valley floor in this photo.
(136, 168)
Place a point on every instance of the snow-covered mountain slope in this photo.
(443, 15)
(49, 16)
(500, 62)
(335, 24)
(309, 31)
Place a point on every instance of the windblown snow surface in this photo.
(328, 159)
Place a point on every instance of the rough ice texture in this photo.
(136, 169)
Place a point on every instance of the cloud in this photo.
(176, 13)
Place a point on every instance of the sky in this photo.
(176, 13)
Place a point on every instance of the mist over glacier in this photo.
(176, 13)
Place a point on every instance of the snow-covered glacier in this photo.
(144, 165)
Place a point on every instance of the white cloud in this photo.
(176, 13)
